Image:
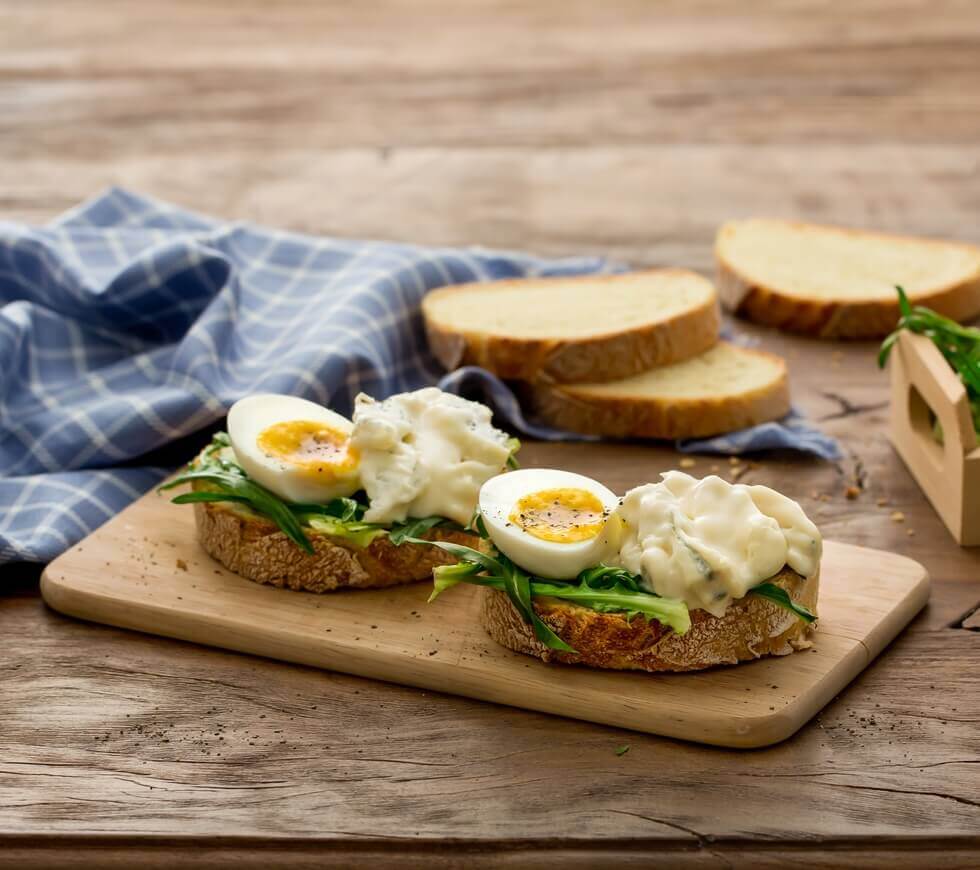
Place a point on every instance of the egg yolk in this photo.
(313, 447)
(562, 516)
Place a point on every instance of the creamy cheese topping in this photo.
(708, 542)
(425, 453)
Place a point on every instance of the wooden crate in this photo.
(949, 473)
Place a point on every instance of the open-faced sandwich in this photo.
(297, 495)
(675, 576)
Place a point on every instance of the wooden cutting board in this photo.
(144, 570)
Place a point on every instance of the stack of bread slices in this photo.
(630, 355)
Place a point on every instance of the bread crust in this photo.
(566, 406)
(256, 549)
(840, 318)
(752, 627)
(602, 357)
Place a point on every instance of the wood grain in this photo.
(624, 128)
(144, 570)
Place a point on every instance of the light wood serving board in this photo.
(144, 570)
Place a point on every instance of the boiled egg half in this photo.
(553, 524)
(298, 449)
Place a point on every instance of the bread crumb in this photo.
(881, 502)
(851, 493)
(181, 565)
(824, 497)
(898, 517)
(687, 462)
(734, 460)
(715, 469)
(910, 532)
(738, 472)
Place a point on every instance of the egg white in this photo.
(248, 418)
(552, 560)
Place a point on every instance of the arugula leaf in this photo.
(219, 441)
(342, 508)
(359, 534)
(517, 584)
(413, 528)
(227, 481)
(606, 577)
(780, 597)
(447, 576)
(959, 345)
(207, 495)
(513, 444)
(241, 489)
(603, 588)
(478, 525)
(618, 598)
(504, 575)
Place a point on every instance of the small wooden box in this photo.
(948, 473)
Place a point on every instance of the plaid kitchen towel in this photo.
(129, 323)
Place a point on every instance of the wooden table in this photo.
(558, 127)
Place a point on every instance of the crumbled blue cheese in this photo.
(708, 542)
(425, 453)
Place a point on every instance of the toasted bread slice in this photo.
(255, 548)
(723, 389)
(751, 627)
(838, 283)
(593, 328)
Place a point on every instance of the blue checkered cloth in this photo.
(129, 323)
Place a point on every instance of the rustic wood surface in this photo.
(631, 129)
(145, 570)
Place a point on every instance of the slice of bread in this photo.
(255, 548)
(593, 328)
(723, 389)
(751, 627)
(839, 283)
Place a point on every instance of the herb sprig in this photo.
(513, 444)
(960, 345)
(780, 597)
(342, 517)
(232, 485)
(498, 572)
(603, 588)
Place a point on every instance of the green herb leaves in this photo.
(959, 344)
(341, 517)
(617, 598)
(513, 444)
(228, 483)
(779, 596)
(500, 573)
(358, 533)
(605, 577)
(602, 588)
(401, 532)
(343, 509)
